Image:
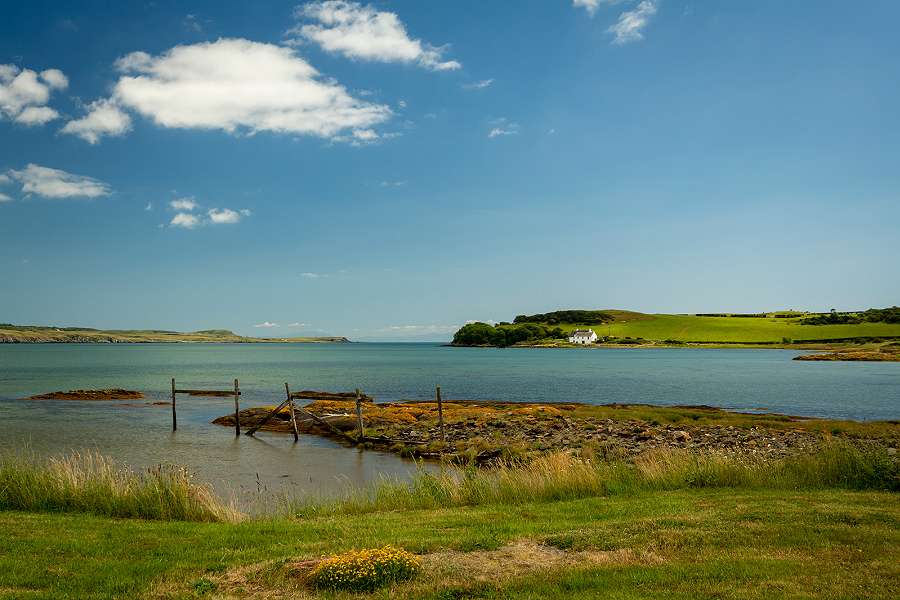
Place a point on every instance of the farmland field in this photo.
(690, 328)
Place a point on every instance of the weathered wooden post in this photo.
(359, 419)
(290, 402)
(237, 409)
(174, 418)
(440, 413)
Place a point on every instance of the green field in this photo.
(39, 334)
(677, 544)
(690, 328)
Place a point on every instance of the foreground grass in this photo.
(668, 544)
(673, 525)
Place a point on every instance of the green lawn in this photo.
(679, 544)
(688, 328)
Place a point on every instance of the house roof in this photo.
(582, 332)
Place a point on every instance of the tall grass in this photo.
(562, 476)
(90, 483)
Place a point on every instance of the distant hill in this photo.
(776, 328)
(33, 334)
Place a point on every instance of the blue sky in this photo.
(392, 170)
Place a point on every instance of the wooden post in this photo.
(290, 402)
(440, 413)
(237, 409)
(359, 419)
(259, 424)
(174, 418)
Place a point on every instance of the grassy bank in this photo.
(674, 525)
(91, 483)
(686, 544)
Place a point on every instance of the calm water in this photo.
(138, 433)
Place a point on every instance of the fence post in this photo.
(174, 418)
(359, 419)
(290, 402)
(237, 409)
(440, 413)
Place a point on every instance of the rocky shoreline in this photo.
(486, 431)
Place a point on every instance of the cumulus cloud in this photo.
(4, 198)
(104, 118)
(478, 85)
(4, 179)
(629, 27)
(364, 33)
(24, 94)
(298, 325)
(36, 115)
(185, 221)
(187, 203)
(267, 325)
(237, 85)
(223, 216)
(54, 183)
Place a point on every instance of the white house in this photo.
(583, 336)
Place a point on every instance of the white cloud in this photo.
(5, 198)
(631, 23)
(149, 206)
(54, 183)
(24, 94)
(4, 179)
(398, 183)
(478, 85)
(223, 216)
(503, 126)
(36, 115)
(364, 33)
(187, 203)
(298, 325)
(589, 5)
(237, 85)
(309, 275)
(185, 221)
(267, 325)
(104, 118)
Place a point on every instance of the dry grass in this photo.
(564, 476)
(91, 483)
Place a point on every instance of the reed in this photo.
(88, 482)
(563, 476)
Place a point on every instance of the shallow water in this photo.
(138, 433)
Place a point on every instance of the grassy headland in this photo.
(618, 327)
(671, 525)
(32, 334)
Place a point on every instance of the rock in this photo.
(682, 436)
